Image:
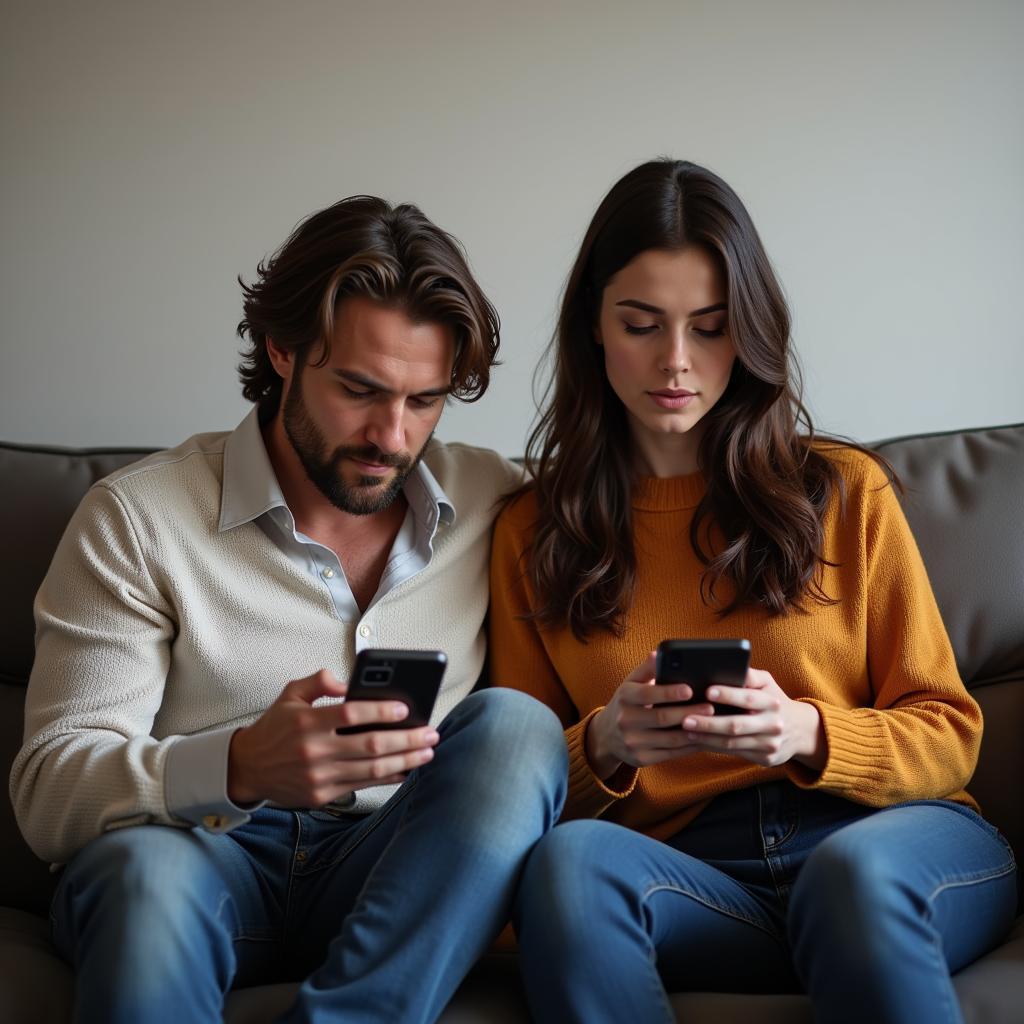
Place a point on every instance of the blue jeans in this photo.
(771, 889)
(381, 914)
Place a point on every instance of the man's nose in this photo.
(385, 429)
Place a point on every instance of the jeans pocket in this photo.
(331, 815)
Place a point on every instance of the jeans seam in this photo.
(659, 988)
(953, 1011)
(287, 909)
(968, 880)
(962, 809)
(247, 937)
(221, 903)
(363, 834)
(768, 856)
(717, 908)
(244, 933)
(791, 829)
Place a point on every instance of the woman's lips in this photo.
(668, 398)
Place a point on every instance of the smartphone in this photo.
(702, 663)
(412, 677)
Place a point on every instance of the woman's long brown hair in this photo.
(758, 528)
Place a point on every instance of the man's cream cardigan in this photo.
(159, 633)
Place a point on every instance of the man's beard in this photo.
(368, 494)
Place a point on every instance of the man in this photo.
(180, 757)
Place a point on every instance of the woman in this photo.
(822, 838)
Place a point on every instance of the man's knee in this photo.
(503, 764)
(511, 722)
(143, 864)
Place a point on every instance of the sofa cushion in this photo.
(35, 984)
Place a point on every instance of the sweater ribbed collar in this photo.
(668, 494)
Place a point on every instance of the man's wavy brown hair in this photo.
(363, 246)
(768, 479)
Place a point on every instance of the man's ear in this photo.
(282, 359)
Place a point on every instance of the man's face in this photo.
(359, 423)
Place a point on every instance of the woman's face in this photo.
(667, 352)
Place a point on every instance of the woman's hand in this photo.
(641, 724)
(775, 729)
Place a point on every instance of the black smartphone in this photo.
(412, 677)
(702, 663)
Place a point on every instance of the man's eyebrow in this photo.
(373, 385)
(648, 308)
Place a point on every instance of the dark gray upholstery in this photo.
(963, 491)
(965, 502)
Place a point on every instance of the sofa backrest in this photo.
(40, 488)
(964, 500)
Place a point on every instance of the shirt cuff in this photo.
(196, 782)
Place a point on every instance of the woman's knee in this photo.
(567, 874)
(849, 891)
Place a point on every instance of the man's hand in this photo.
(293, 756)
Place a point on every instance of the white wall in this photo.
(152, 152)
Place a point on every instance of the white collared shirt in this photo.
(181, 601)
(253, 494)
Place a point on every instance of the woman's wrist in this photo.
(813, 750)
(603, 763)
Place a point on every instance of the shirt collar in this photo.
(250, 486)
(427, 497)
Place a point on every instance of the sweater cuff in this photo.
(857, 761)
(196, 782)
(588, 795)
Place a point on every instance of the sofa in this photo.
(965, 503)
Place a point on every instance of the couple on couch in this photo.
(198, 625)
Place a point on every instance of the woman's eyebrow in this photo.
(648, 308)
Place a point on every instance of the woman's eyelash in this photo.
(648, 328)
